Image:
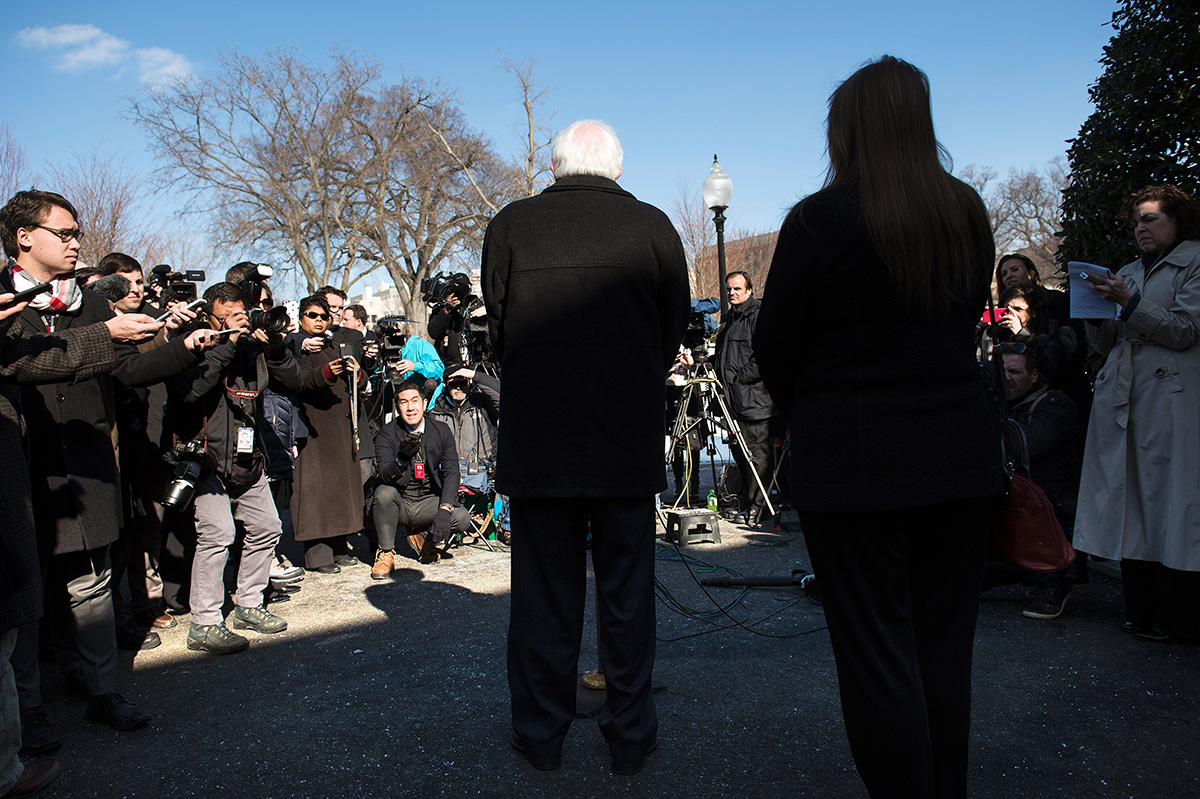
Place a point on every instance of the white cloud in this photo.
(82, 47)
(159, 65)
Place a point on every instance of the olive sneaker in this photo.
(216, 639)
(258, 619)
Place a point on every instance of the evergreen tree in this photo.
(1145, 129)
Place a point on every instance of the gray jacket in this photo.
(474, 422)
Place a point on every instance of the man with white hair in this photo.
(583, 280)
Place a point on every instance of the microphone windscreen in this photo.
(112, 287)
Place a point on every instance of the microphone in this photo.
(112, 288)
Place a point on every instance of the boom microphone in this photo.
(112, 288)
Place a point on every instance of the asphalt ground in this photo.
(398, 688)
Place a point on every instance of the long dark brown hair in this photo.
(926, 225)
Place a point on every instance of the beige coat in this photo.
(1139, 497)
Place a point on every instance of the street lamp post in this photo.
(717, 190)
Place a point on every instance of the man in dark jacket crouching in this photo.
(418, 482)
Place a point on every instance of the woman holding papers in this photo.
(1139, 499)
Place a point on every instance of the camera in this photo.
(392, 333)
(171, 286)
(695, 338)
(272, 320)
(253, 283)
(436, 291)
(191, 460)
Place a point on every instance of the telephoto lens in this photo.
(179, 492)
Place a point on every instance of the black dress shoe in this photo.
(37, 736)
(346, 560)
(631, 767)
(117, 712)
(133, 638)
(329, 568)
(539, 763)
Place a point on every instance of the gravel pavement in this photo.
(397, 688)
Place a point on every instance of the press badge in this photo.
(419, 471)
(245, 440)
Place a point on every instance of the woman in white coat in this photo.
(1139, 497)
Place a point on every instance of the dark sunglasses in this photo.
(315, 315)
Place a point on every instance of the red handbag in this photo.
(1025, 532)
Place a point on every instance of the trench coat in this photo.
(327, 498)
(71, 355)
(1139, 495)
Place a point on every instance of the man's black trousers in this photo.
(900, 590)
(549, 584)
(758, 440)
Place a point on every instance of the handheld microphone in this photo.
(112, 288)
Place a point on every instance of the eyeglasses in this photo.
(315, 315)
(64, 235)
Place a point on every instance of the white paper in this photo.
(1085, 304)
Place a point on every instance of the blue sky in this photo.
(678, 80)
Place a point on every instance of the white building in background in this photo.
(384, 301)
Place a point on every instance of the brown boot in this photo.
(385, 561)
(429, 552)
(417, 542)
(36, 780)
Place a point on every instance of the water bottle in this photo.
(712, 501)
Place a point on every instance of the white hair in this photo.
(587, 147)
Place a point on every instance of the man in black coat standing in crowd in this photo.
(748, 398)
(586, 289)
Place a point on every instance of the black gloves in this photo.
(440, 529)
(408, 448)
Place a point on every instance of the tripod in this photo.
(704, 386)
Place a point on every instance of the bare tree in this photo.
(329, 168)
(534, 163)
(113, 204)
(14, 166)
(693, 222)
(1024, 209)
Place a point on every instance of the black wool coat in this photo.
(887, 407)
(72, 463)
(587, 299)
(76, 354)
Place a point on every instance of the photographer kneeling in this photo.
(219, 410)
(418, 482)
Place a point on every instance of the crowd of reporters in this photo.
(153, 436)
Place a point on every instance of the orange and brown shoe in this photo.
(385, 561)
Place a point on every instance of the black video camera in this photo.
(695, 338)
(171, 286)
(436, 290)
(392, 333)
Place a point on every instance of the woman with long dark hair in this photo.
(866, 339)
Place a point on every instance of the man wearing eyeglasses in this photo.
(749, 401)
(75, 485)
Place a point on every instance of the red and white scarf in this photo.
(65, 297)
